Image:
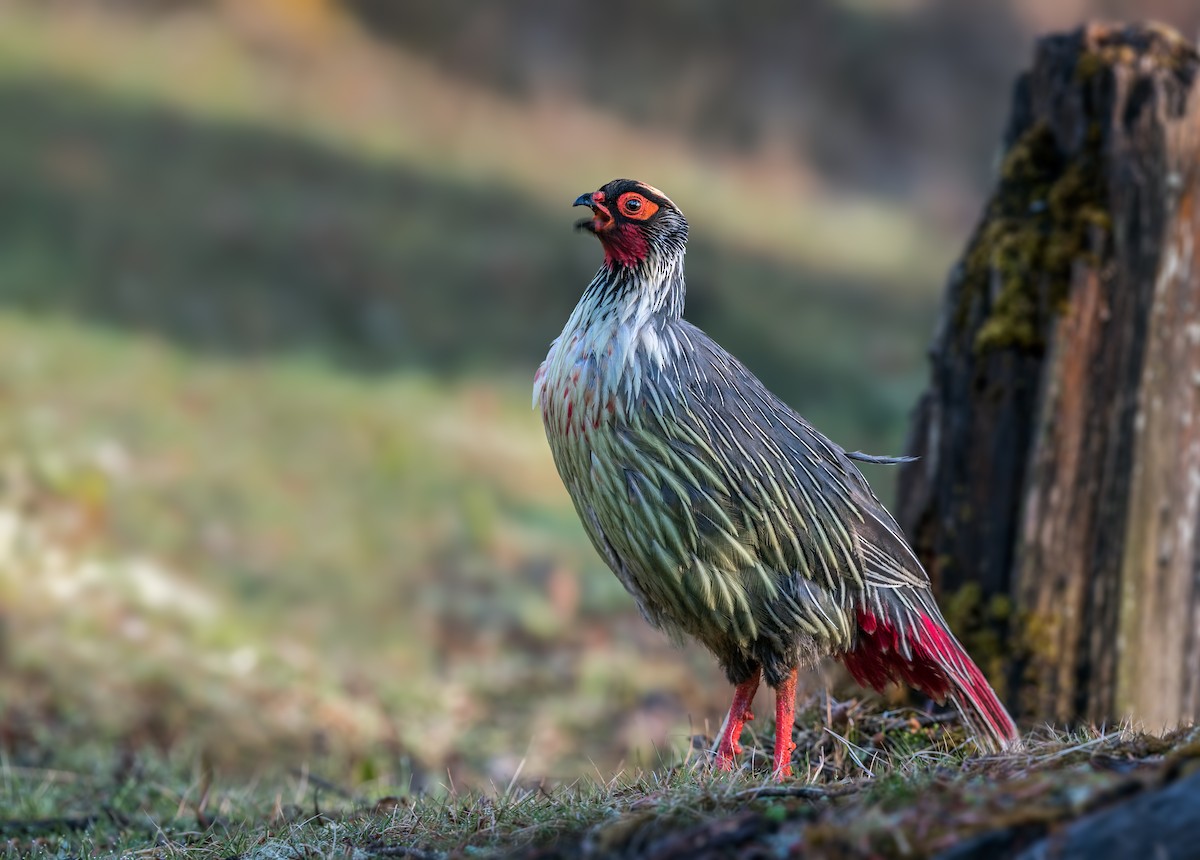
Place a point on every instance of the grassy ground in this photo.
(277, 559)
(872, 785)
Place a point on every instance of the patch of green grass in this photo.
(274, 559)
(916, 804)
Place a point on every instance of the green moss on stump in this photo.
(981, 624)
(1041, 219)
(1153, 43)
(1050, 207)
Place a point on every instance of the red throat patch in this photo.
(624, 245)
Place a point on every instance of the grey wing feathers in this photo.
(810, 510)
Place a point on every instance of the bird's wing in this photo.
(766, 503)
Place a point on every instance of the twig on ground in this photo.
(809, 791)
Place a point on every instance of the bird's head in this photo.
(633, 221)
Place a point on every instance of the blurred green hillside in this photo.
(237, 240)
(274, 278)
(205, 194)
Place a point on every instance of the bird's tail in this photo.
(928, 657)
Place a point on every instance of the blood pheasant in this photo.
(722, 511)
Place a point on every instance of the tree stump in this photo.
(1057, 495)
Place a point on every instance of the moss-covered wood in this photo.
(1058, 491)
(1048, 211)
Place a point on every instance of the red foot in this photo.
(728, 744)
(785, 718)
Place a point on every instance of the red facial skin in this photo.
(624, 243)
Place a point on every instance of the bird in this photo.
(726, 515)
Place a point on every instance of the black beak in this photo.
(601, 219)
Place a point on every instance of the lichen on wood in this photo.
(1049, 210)
(1160, 48)
(981, 620)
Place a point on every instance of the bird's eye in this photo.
(636, 206)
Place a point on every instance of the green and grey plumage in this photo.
(724, 514)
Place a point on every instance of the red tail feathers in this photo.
(937, 666)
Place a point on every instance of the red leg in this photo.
(785, 718)
(739, 715)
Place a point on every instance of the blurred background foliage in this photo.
(274, 277)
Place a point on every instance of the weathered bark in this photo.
(1057, 495)
(1160, 823)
